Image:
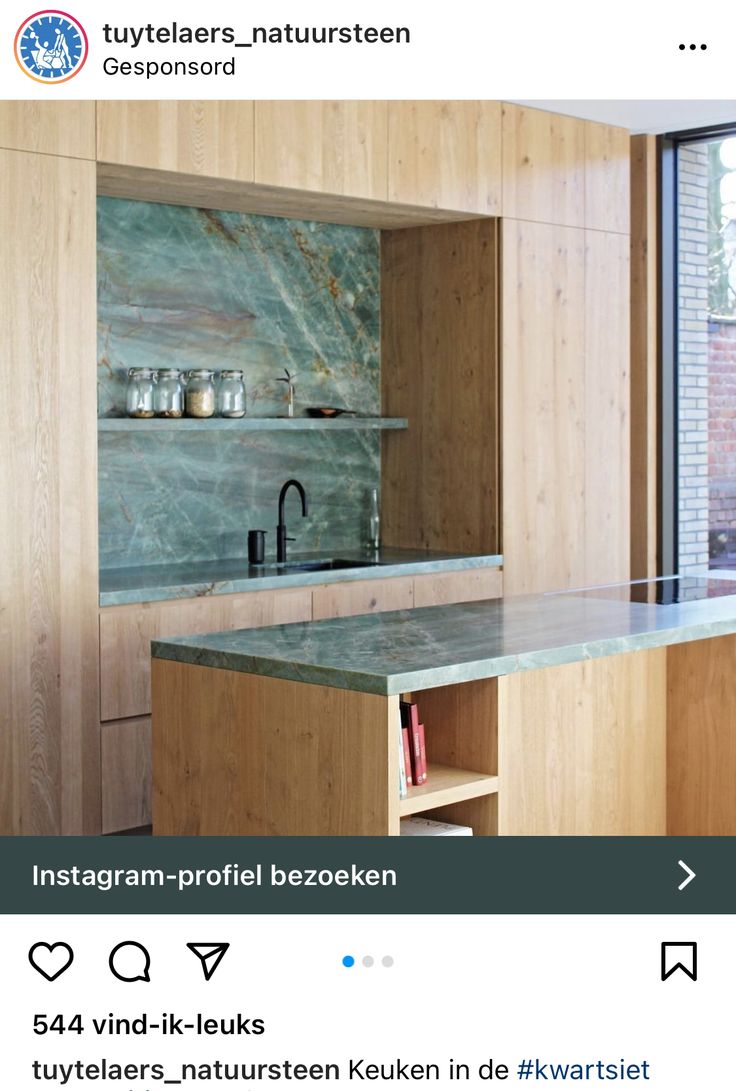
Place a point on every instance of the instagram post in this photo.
(369, 481)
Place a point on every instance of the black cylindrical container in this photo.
(256, 546)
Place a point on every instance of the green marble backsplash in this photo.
(187, 287)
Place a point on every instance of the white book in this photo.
(427, 827)
(403, 786)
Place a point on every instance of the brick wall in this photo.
(722, 438)
(693, 354)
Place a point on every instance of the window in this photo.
(702, 187)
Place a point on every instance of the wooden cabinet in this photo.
(445, 155)
(701, 738)
(543, 166)
(577, 749)
(404, 592)
(362, 597)
(441, 588)
(126, 633)
(125, 758)
(582, 748)
(543, 398)
(49, 701)
(607, 178)
(565, 357)
(439, 368)
(566, 390)
(53, 128)
(330, 768)
(335, 147)
(214, 139)
(562, 170)
(607, 408)
(279, 758)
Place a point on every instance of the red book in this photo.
(410, 717)
(423, 755)
(407, 756)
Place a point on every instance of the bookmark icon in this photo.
(210, 956)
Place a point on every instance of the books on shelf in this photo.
(417, 741)
(406, 754)
(404, 763)
(427, 827)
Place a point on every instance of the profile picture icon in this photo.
(51, 46)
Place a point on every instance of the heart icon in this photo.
(51, 959)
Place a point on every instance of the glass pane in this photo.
(707, 354)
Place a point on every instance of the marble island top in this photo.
(439, 645)
(152, 583)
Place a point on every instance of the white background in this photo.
(463, 49)
(472, 988)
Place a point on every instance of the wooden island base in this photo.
(642, 743)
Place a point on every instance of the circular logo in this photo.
(51, 46)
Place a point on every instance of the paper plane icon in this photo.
(210, 955)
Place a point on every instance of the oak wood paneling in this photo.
(446, 155)
(126, 633)
(543, 166)
(49, 691)
(196, 137)
(607, 404)
(170, 187)
(701, 738)
(607, 181)
(543, 407)
(362, 597)
(582, 748)
(53, 128)
(241, 754)
(644, 402)
(331, 146)
(126, 774)
(439, 368)
(441, 588)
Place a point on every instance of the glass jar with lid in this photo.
(139, 393)
(231, 394)
(168, 396)
(200, 393)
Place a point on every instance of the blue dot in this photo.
(348, 961)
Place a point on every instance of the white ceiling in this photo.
(644, 115)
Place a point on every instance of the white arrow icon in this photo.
(690, 875)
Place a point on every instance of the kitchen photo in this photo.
(369, 468)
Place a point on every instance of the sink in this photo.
(331, 565)
(328, 564)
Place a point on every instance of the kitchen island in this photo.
(602, 711)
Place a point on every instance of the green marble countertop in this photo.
(440, 645)
(193, 579)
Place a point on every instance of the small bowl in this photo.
(328, 411)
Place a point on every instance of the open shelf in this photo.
(252, 424)
(446, 785)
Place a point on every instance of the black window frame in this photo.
(668, 546)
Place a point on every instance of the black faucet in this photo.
(281, 538)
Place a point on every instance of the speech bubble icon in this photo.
(130, 961)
